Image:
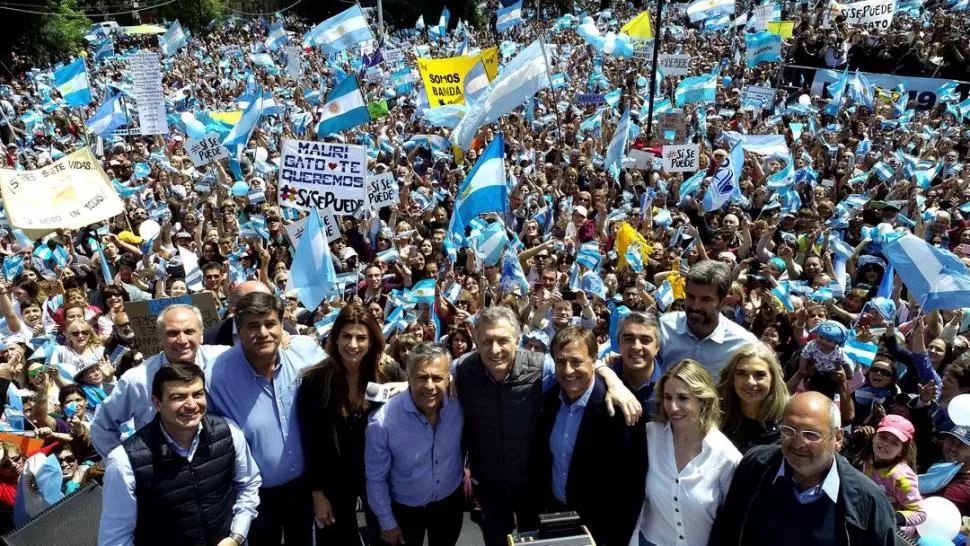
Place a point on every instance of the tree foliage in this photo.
(192, 14)
(52, 35)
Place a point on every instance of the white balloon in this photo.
(942, 518)
(805, 99)
(261, 154)
(959, 410)
(610, 44)
(149, 229)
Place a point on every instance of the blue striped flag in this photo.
(173, 39)
(762, 47)
(71, 82)
(588, 255)
(491, 243)
(701, 89)
(665, 295)
(860, 352)
(345, 108)
(340, 32)
(508, 17)
(484, 190)
(110, 116)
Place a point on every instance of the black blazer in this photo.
(607, 472)
(220, 333)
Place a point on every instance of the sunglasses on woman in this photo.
(880, 371)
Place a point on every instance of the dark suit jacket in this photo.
(607, 472)
(220, 333)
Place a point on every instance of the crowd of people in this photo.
(788, 365)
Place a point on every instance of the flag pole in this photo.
(555, 94)
(657, 35)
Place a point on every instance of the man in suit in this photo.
(224, 331)
(588, 451)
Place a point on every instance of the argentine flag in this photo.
(617, 148)
(476, 81)
(71, 82)
(104, 49)
(762, 47)
(173, 39)
(345, 108)
(508, 17)
(484, 190)
(340, 31)
(109, 117)
(701, 88)
(706, 9)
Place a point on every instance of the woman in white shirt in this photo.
(691, 462)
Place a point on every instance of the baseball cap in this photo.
(898, 426)
(960, 433)
(579, 209)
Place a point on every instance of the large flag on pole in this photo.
(934, 277)
(173, 39)
(345, 108)
(523, 77)
(340, 31)
(71, 82)
(485, 189)
(109, 116)
(312, 275)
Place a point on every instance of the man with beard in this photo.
(180, 332)
(122, 334)
(700, 332)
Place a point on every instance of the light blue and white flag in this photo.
(513, 277)
(485, 189)
(935, 278)
(491, 243)
(860, 352)
(762, 47)
(340, 32)
(664, 295)
(706, 9)
(701, 89)
(312, 275)
(617, 148)
(345, 108)
(71, 82)
(508, 17)
(173, 39)
(520, 79)
(476, 82)
(110, 116)
(104, 49)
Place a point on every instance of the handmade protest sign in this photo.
(681, 158)
(322, 175)
(444, 79)
(673, 65)
(382, 191)
(146, 76)
(70, 193)
(870, 13)
(206, 149)
(294, 64)
(758, 97)
(672, 126)
(589, 98)
(144, 314)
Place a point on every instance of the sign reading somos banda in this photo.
(322, 175)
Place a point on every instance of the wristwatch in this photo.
(240, 540)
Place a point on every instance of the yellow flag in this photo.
(781, 28)
(639, 27)
(489, 58)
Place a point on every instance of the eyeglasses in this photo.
(808, 436)
(880, 371)
(542, 256)
(79, 333)
(70, 459)
(35, 372)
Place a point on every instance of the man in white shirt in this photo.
(700, 332)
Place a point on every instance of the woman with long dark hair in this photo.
(333, 408)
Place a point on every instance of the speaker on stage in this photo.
(71, 522)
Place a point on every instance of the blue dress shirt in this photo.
(408, 461)
(264, 409)
(563, 439)
(678, 342)
(120, 517)
(132, 399)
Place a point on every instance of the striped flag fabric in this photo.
(484, 190)
(508, 17)
(110, 116)
(491, 243)
(71, 82)
(588, 255)
(340, 32)
(706, 9)
(665, 295)
(860, 352)
(345, 108)
(173, 39)
(476, 81)
(701, 89)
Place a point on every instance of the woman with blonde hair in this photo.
(690, 462)
(753, 395)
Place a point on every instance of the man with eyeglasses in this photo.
(802, 492)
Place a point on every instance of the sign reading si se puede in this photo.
(681, 158)
(382, 190)
(870, 13)
(673, 64)
(206, 149)
(322, 175)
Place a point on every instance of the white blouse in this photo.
(680, 507)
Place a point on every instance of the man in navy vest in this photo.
(185, 478)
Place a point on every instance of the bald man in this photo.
(803, 492)
(224, 332)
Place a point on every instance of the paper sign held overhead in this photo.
(672, 127)
(870, 13)
(382, 191)
(673, 64)
(144, 314)
(758, 97)
(681, 158)
(322, 175)
(146, 75)
(206, 149)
